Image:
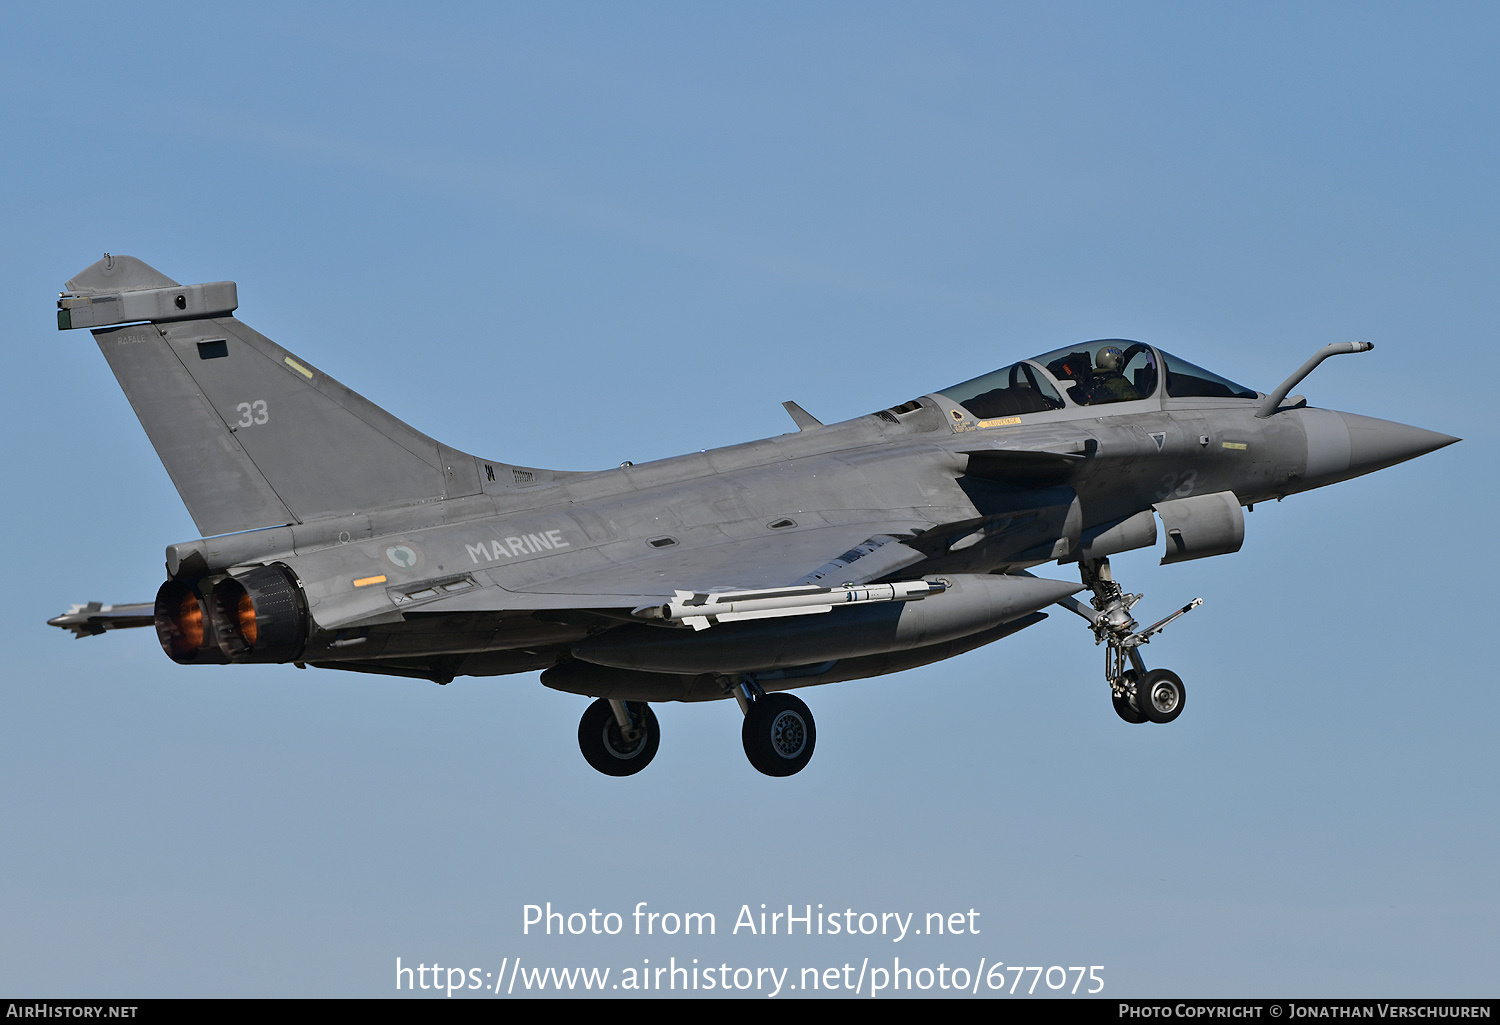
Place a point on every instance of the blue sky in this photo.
(572, 234)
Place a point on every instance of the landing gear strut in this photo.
(1139, 695)
(619, 738)
(778, 732)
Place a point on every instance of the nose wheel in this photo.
(1161, 697)
(1124, 700)
(1139, 694)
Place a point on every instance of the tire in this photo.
(779, 735)
(1123, 707)
(603, 746)
(1162, 696)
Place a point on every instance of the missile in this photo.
(700, 610)
(94, 618)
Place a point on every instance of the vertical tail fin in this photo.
(251, 435)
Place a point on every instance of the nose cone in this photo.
(1375, 444)
(1344, 445)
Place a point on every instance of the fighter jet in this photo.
(336, 536)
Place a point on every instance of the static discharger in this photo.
(697, 609)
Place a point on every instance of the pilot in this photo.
(1109, 384)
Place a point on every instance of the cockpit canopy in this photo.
(1092, 374)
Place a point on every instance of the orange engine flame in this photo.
(245, 617)
(190, 624)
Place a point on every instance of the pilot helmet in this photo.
(1110, 357)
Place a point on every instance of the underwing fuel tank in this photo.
(575, 677)
(971, 603)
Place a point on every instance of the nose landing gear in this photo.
(1139, 695)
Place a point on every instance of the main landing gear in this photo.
(619, 738)
(1139, 695)
(778, 732)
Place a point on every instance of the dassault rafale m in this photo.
(336, 536)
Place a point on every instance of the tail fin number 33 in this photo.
(252, 413)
